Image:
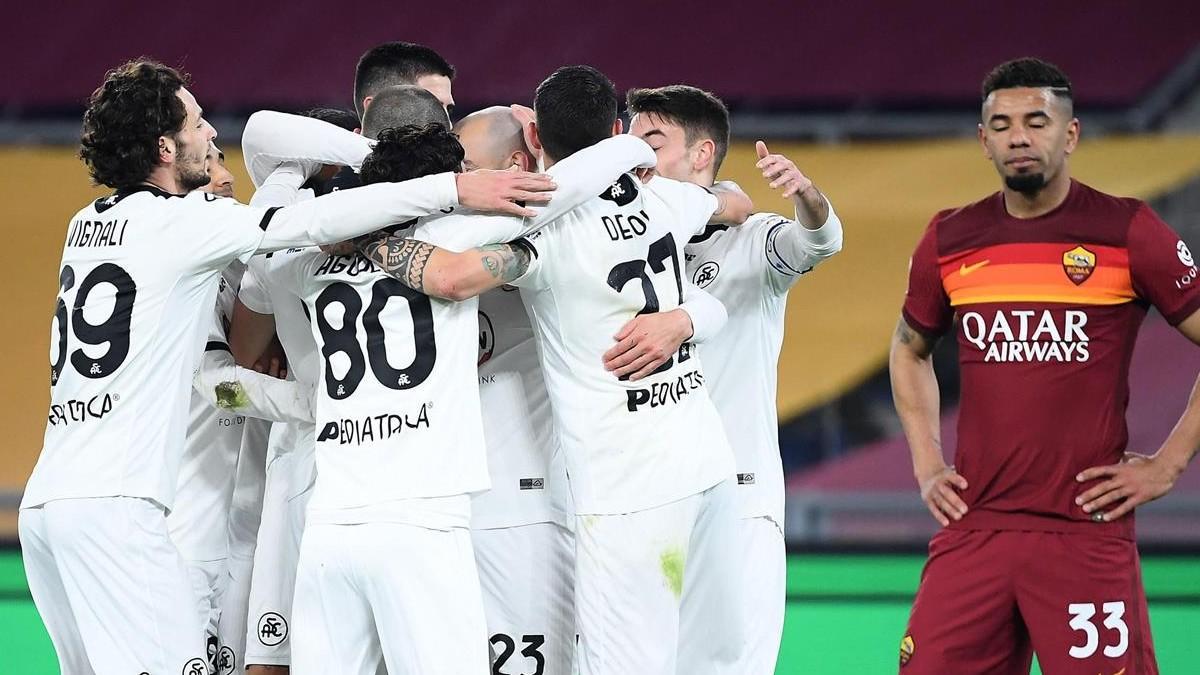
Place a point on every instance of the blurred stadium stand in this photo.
(874, 100)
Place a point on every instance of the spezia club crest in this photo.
(272, 629)
(1079, 263)
(706, 274)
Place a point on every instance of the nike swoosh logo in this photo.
(965, 269)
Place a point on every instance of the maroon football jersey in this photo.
(1047, 310)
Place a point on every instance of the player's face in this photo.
(439, 86)
(669, 142)
(191, 145)
(221, 179)
(1028, 133)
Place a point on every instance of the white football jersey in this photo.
(198, 525)
(528, 484)
(137, 282)
(397, 412)
(747, 269)
(628, 445)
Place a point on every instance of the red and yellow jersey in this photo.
(1047, 310)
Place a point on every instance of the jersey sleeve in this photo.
(707, 313)
(253, 292)
(273, 138)
(1163, 270)
(213, 231)
(693, 205)
(926, 306)
(537, 244)
(790, 250)
(281, 188)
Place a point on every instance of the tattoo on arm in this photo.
(404, 259)
(505, 262)
(908, 337)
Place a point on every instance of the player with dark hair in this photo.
(648, 463)
(750, 268)
(1046, 283)
(393, 63)
(400, 448)
(346, 119)
(110, 584)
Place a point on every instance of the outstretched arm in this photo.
(445, 274)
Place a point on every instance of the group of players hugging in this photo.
(433, 402)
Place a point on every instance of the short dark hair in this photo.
(403, 153)
(393, 63)
(135, 105)
(1027, 72)
(403, 105)
(338, 117)
(576, 107)
(701, 114)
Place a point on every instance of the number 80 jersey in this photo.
(397, 413)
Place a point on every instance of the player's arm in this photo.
(250, 333)
(440, 273)
(646, 341)
(272, 139)
(225, 384)
(1143, 478)
(350, 213)
(915, 393)
(734, 206)
(1158, 261)
(816, 233)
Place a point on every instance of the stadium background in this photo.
(876, 101)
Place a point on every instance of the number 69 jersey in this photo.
(628, 446)
(138, 277)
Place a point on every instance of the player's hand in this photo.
(939, 491)
(1136, 480)
(646, 342)
(498, 191)
(734, 205)
(273, 361)
(781, 172)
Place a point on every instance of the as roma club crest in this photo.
(1079, 263)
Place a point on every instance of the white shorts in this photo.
(405, 594)
(528, 578)
(656, 590)
(763, 594)
(273, 583)
(112, 589)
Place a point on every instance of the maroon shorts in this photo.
(989, 599)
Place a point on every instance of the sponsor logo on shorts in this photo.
(195, 667)
(533, 483)
(272, 629)
(1079, 263)
(706, 274)
(226, 662)
(745, 479)
(906, 649)
(487, 339)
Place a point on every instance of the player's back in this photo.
(629, 445)
(138, 276)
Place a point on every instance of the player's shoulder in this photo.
(975, 214)
(135, 199)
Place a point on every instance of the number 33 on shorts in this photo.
(1082, 615)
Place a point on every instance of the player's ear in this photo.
(366, 102)
(522, 160)
(531, 137)
(1072, 135)
(618, 127)
(704, 154)
(166, 149)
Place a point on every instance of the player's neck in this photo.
(1024, 205)
(164, 179)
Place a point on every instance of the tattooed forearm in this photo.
(505, 262)
(404, 259)
(910, 338)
